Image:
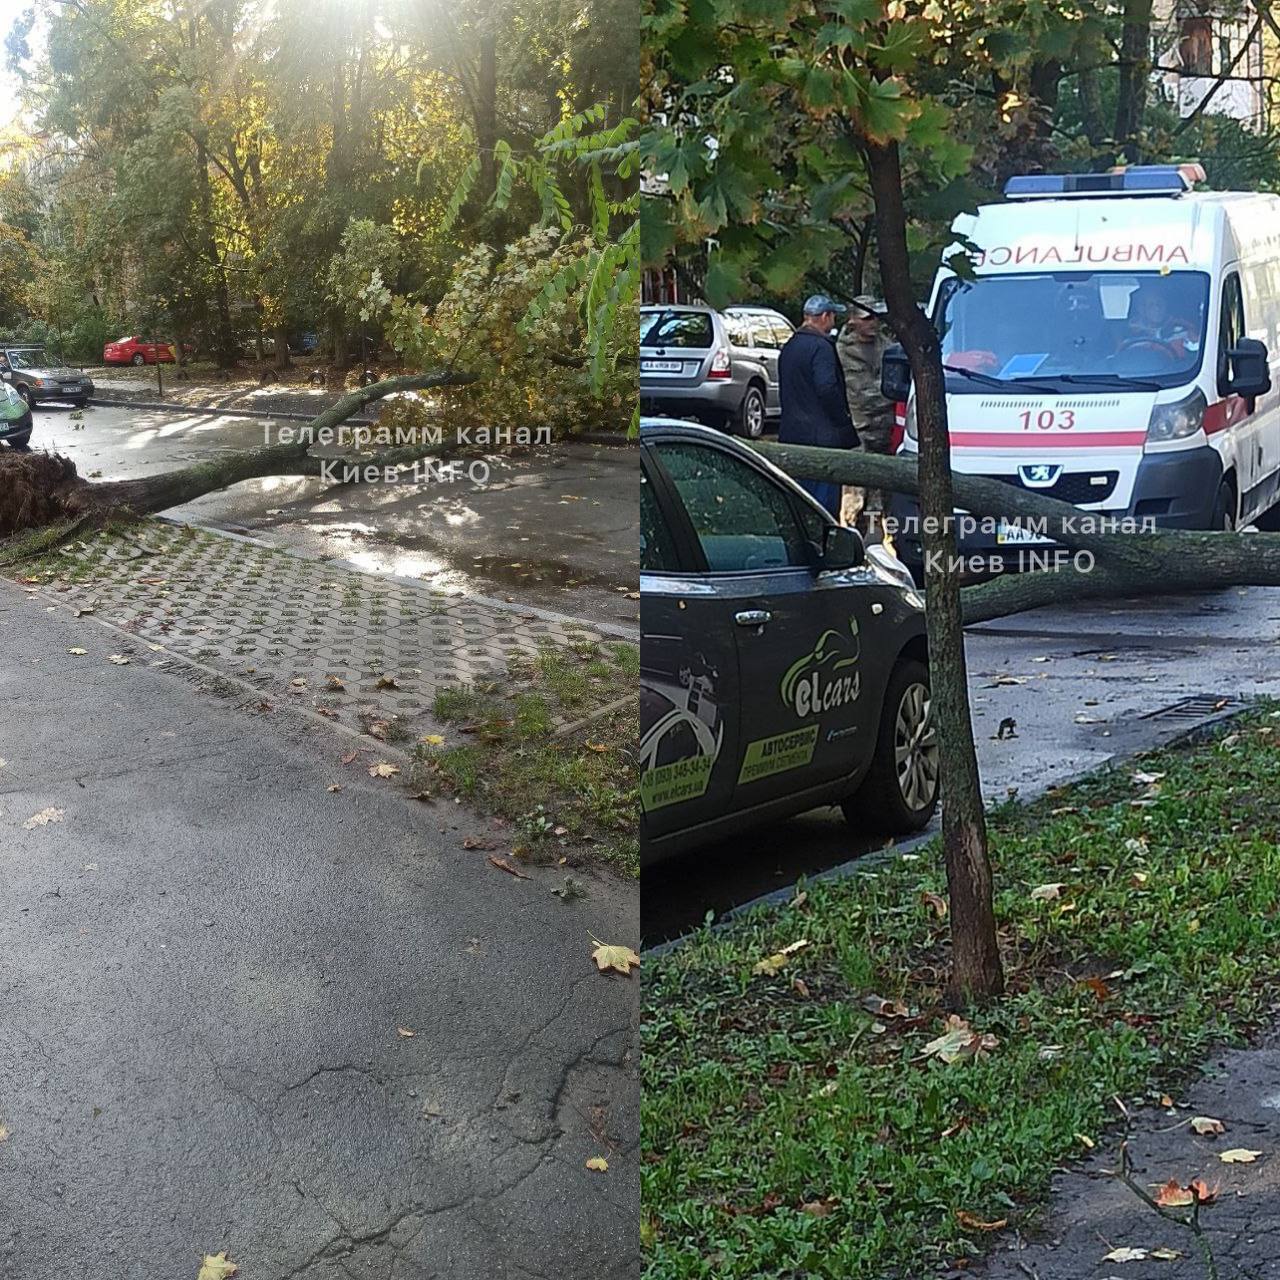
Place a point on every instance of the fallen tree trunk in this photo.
(36, 489)
(1110, 564)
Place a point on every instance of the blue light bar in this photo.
(1136, 180)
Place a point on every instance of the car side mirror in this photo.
(895, 373)
(841, 548)
(1250, 369)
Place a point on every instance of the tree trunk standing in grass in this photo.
(1135, 76)
(975, 960)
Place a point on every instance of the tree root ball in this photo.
(33, 489)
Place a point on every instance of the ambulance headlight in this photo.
(1178, 420)
(909, 420)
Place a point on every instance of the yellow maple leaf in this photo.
(621, 959)
(597, 1164)
(383, 770)
(216, 1266)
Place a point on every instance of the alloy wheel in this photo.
(915, 748)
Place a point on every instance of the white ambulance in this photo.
(1114, 349)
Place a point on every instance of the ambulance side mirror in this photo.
(895, 373)
(1250, 369)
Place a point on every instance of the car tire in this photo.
(20, 444)
(1223, 519)
(81, 404)
(899, 795)
(749, 420)
(26, 394)
(138, 359)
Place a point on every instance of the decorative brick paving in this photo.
(293, 626)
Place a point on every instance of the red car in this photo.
(137, 351)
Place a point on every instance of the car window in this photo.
(738, 329)
(1231, 329)
(782, 332)
(678, 329)
(762, 333)
(657, 551)
(742, 519)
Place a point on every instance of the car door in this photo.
(764, 341)
(688, 677)
(808, 714)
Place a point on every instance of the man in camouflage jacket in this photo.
(860, 347)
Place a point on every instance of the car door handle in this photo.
(752, 617)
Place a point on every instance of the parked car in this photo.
(37, 379)
(15, 418)
(138, 351)
(783, 664)
(717, 367)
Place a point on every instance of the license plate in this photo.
(1007, 534)
(660, 366)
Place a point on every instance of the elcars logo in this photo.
(822, 680)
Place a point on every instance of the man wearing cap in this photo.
(815, 410)
(860, 347)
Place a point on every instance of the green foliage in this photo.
(356, 281)
(545, 372)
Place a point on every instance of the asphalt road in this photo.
(1083, 686)
(205, 965)
(557, 528)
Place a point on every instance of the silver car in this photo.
(36, 378)
(717, 367)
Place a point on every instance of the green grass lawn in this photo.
(789, 1131)
(524, 759)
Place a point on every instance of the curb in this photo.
(214, 411)
(878, 857)
(611, 439)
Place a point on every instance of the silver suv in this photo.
(718, 367)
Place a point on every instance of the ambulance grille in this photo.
(1010, 402)
(1076, 487)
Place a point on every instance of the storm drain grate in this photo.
(1196, 707)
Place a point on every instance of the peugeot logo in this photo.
(1039, 475)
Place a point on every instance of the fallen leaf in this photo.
(1239, 1155)
(1204, 1193)
(298, 683)
(1207, 1125)
(1047, 892)
(1125, 1255)
(771, 964)
(972, 1222)
(959, 1041)
(477, 842)
(379, 729)
(334, 684)
(432, 740)
(818, 1208)
(405, 1032)
(1097, 986)
(337, 786)
(119, 660)
(1165, 1255)
(621, 959)
(387, 682)
(1142, 779)
(1173, 1195)
(216, 1266)
(383, 770)
(1085, 1141)
(935, 902)
(879, 1007)
(42, 819)
(598, 1164)
(78, 652)
(509, 867)
(599, 747)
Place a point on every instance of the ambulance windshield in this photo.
(1110, 325)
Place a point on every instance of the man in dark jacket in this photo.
(815, 406)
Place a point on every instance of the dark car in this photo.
(783, 665)
(15, 418)
(717, 367)
(36, 378)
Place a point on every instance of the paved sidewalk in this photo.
(206, 958)
(359, 649)
(1093, 1213)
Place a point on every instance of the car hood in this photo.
(61, 372)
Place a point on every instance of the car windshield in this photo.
(1075, 326)
(676, 329)
(27, 359)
